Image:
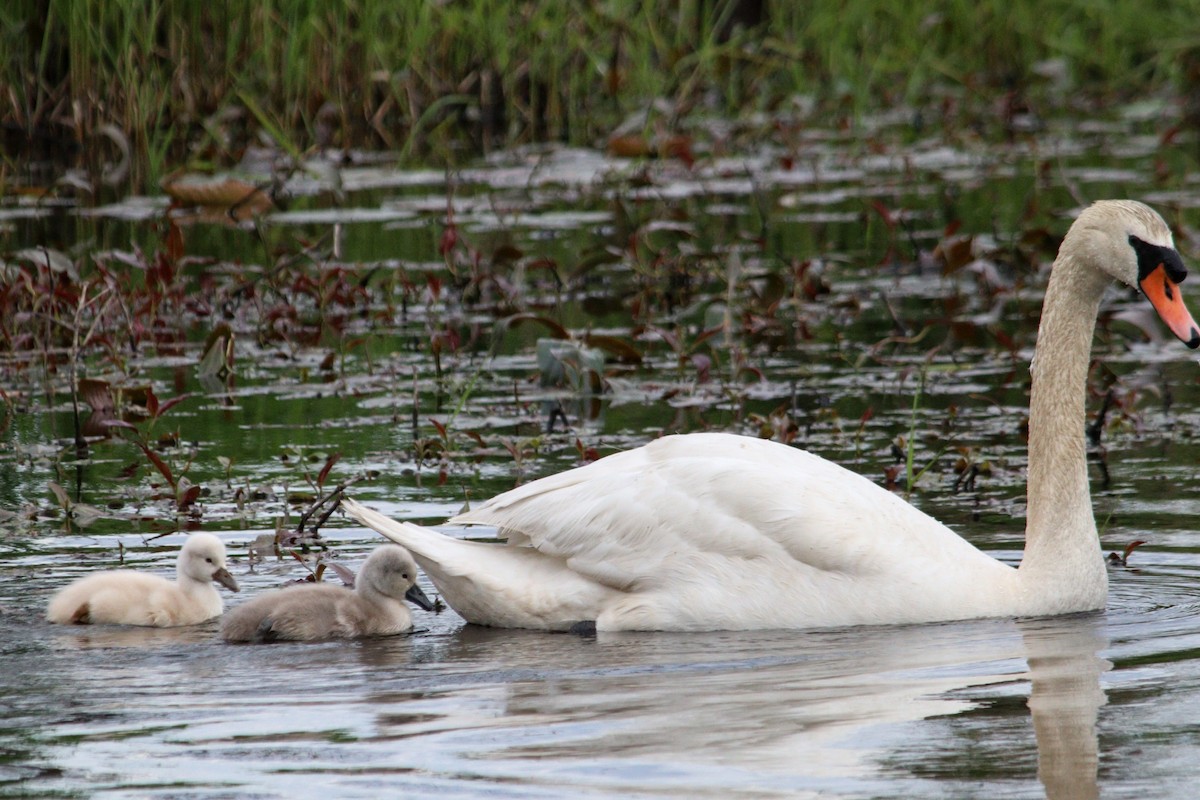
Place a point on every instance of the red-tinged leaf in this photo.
(151, 402)
(158, 463)
(952, 229)
(324, 473)
(667, 336)
(955, 253)
(173, 242)
(548, 264)
(441, 429)
(97, 394)
(174, 401)
(885, 213)
(867, 416)
(449, 240)
(118, 423)
(618, 348)
(507, 253)
(705, 335)
(891, 474)
(678, 147)
(1134, 545)
(629, 146)
(476, 437)
(755, 371)
(189, 497)
(434, 283)
(557, 330)
(1005, 341)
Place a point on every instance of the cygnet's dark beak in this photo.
(418, 598)
(223, 577)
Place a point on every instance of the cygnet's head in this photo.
(392, 572)
(203, 559)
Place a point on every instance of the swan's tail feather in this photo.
(404, 534)
(434, 551)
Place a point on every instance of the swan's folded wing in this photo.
(627, 519)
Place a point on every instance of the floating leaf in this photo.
(97, 394)
(84, 515)
(53, 260)
(224, 193)
(954, 253)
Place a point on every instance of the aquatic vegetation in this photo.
(204, 83)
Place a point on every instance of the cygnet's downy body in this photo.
(126, 597)
(315, 611)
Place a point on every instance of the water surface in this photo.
(842, 330)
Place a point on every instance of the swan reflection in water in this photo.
(834, 712)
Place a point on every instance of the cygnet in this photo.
(125, 597)
(314, 611)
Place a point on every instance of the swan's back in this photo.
(717, 493)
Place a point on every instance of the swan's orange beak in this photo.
(1163, 293)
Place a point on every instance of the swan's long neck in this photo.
(1063, 564)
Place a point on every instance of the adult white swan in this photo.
(716, 531)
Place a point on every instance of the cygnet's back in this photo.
(313, 611)
(125, 597)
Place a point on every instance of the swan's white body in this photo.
(313, 611)
(717, 531)
(125, 597)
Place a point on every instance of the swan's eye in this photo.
(209, 560)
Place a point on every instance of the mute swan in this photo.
(718, 531)
(125, 597)
(311, 611)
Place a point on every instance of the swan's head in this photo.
(1130, 242)
(203, 559)
(391, 571)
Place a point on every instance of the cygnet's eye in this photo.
(404, 575)
(209, 560)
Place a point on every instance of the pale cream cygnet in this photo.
(126, 597)
(314, 611)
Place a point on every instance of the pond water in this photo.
(864, 294)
